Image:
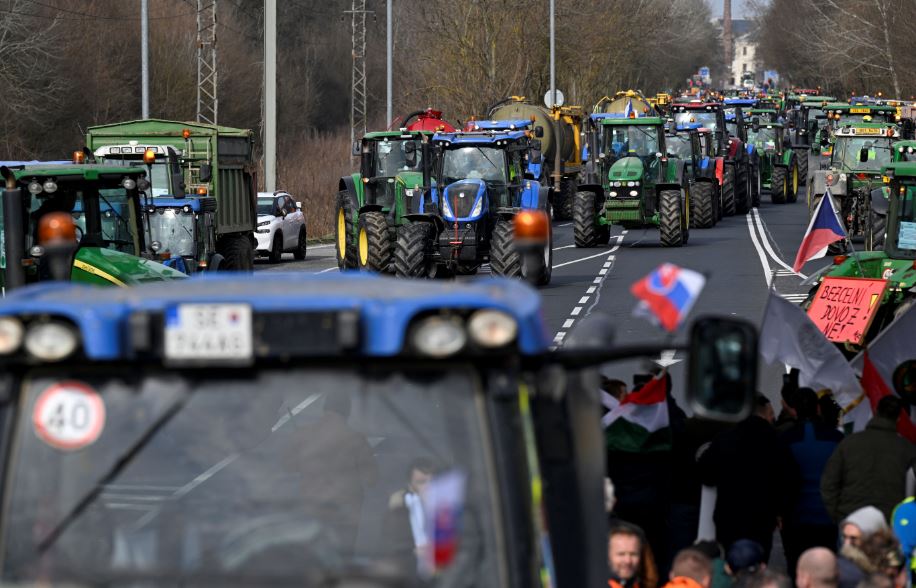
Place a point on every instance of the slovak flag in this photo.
(823, 229)
(668, 293)
(628, 109)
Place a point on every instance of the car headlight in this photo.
(10, 335)
(478, 207)
(492, 328)
(439, 337)
(264, 223)
(51, 341)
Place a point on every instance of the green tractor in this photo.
(394, 173)
(895, 260)
(779, 165)
(640, 186)
(105, 204)
(859, 153)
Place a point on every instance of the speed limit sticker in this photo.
(69, 416)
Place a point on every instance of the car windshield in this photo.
(906, 237)
(679, 146)
(484, 163)
(707, 119)
(284, 475)
(393, 157)
(174, 229)
(762, 138)
(266, 206)
(849, 152)
(631, 140)
(115, 227)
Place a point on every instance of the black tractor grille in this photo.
(461, 200)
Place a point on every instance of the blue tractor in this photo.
(183, 232)
(484, 178)
(194, 435)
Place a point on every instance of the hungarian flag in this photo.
(667, 294)
(640, 423)
(823, 229)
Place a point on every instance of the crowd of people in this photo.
(830, 503)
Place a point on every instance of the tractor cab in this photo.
(105, 205)
(842, 115)
(181, 227)
(423, 434)
(779, 164)
(764, 114)
(904, 151)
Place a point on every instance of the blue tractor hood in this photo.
(465, 200)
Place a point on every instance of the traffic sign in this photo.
(549, 103)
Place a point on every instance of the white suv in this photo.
(281, 226)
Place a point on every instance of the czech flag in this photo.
(825, 228)
(668, 293)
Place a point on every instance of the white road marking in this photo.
(568, 323)
(563, 247)
(583, 300)
(767, 273)
(766, 243)
(602, 271)
(328, 270)
(565, 225)
(591, 290)
(580, 259)
(321, 246)
(576, 311)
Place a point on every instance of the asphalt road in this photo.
(742, 257)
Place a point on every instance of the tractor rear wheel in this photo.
(743, 190)
(801, 156)
(504, 258)
(874, 236)
(585, 220)
(345, 229)
(792, 182)
(671, 218)
(237, 252)
(374, 242)
(410, 259)
(779, 184)
(702, 214)
(756, 187)
(565, 207)
(538, 265)
(728, 190)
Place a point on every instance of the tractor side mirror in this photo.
(355, 149)
(723, 368)
(206, 172)
(863, 154)
(538, 131)
(410, 155)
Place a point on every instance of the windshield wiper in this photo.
(487, 158)
(122, 462)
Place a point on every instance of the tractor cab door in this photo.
(516, 175)
(900, 242)
(378, 184)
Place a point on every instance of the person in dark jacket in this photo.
(811, 442)
(751, 471)
(869, 467)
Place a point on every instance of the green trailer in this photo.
(105, 205)
(198, 160)
(640, 186)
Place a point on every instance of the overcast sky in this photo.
(740, 8)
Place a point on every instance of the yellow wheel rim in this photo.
(795, 180)
(341, 233)
(363, 247)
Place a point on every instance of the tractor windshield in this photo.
(906, 236)
(483, 163)
(631, 140)
(848, 118)
(862, 153)
(174, 229)
(679, 146)
(396, 156)
(706, 118)
(763, 138)
(140, 476)
(104, 218)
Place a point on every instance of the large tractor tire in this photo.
(374, 241)
(779, 185)
(345, 230)
(538, 268)
(792, 181)
(504, 257)
(801, 156)
(728, 190)
(671, 218)
(237, 252)
(565, 207)
(585, 220)
(756, 187)
(743, 190)
(410, 260)
(702, 207)
(874, 237)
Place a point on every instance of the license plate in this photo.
(868, 131)
(859, 110)
(208, 332)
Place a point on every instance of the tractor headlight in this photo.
(492, 328)
(631, 184)
(51, 340)
(143, 184)
(129, 183)
(10, 335)
(35, 186)
(616, 184)
(50, 186)
(613, 194)
(186, 209)
(478, 207)
(439, 337)
(446, 209)
(634, 192)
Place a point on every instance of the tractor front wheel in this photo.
(671, 218)
(743, 190)
(410, 259)
(345, 229)
(792, 182)
(728, 190)
(585, 220)
(779, 185)
(702, 212)
(504, 258)
(566, 205)
(801, 156)
(374, 242)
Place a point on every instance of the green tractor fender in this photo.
(370, 208)
(353, 184)
(432, 219)
(786, 159)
